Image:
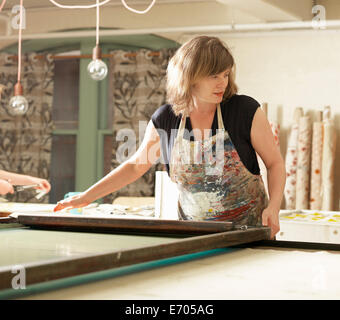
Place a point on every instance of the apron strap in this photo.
(219, 118)
(181, 128)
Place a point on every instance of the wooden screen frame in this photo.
(38, 272)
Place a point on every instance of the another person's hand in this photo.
(5, 187)
(270, 218)
(76, 201)
(44, 185)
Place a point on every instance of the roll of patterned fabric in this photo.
(303, 163)
(328, 163)
(315, 200)
(291, 161)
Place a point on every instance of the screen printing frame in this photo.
(195, 237)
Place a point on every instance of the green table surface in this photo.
(19, 245)
(25, 245)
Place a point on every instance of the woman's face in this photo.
(211, 89)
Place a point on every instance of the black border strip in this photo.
(293, 245)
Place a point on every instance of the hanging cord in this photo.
(97, 5)
(102, 3)
(97, 24)
(136, 11)
(79, 7)
(19, 41)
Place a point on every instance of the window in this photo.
(72, 128)
(65, 117)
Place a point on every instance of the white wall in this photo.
(291, 70)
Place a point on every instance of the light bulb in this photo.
(18, 106)
(97, 69)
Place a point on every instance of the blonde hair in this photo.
(197, 58)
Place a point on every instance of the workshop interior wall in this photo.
(289, 70)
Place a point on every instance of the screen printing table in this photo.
(79, 257)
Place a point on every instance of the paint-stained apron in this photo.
(213, 183)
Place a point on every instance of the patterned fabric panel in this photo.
(303, 163)
(315, 200)
(137, 89)
(25, 141)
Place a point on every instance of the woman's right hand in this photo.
(5, 187)
(76, 201)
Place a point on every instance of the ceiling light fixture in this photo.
(97, 68)
(18, 104)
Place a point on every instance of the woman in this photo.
(8, 179)
(208, 136)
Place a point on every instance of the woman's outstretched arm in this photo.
(126, 173)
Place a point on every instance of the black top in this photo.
(237, 113)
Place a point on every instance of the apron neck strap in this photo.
(184, 117)
(219, 118)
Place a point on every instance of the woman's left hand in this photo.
(270, 218)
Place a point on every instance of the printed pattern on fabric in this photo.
(138, 88)
(291, 167)
(26, 141)
(328, 165)
(303, 163)
(315, 200)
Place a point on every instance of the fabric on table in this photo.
(316, 167)
(303, 163)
